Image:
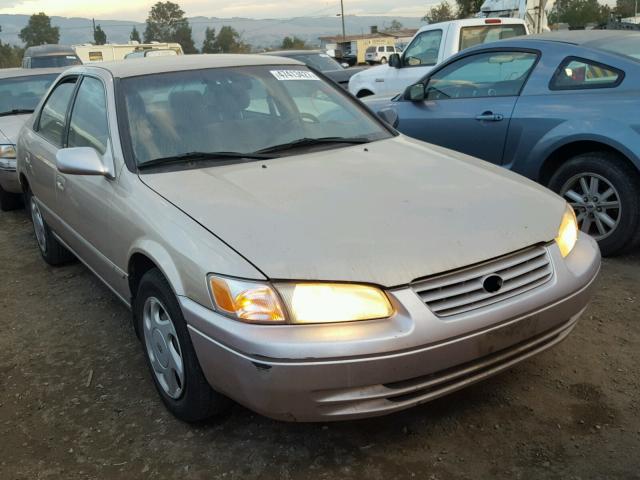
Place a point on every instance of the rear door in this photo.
(41, 145)
(468, 103)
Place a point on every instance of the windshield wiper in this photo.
(305, 142)
(202, 156)
(16, 111)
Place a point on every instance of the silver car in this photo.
(281, 246)
(20, 91)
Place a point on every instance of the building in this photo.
(357, 44)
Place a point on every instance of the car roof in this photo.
(588, 38)
(472, 22)
(28, 72)
(154, 65)
(287, 53)
(50, 49)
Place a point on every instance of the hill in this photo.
(257, 32)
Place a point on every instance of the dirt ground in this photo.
(76, 399)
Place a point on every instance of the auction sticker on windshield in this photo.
(294, 75)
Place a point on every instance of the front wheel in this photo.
(52, 251)
(605, 194)
(170, 354)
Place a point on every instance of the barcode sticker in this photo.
(294, 75)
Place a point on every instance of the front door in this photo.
(86, 200)
(469, 103)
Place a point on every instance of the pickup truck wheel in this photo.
(364, 93)
(169, 352)
(52, 251)
(9, 201)
(605, 194)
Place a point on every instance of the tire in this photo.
(615, 179)
(52, 251)
(170, 355)
(383, 60)
(9, 201)
(364, 93)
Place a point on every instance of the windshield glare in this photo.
(319, 61)
(23, 93)
(242, 109)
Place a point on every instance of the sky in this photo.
(138, 9)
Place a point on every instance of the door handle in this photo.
(60, 183)
(490, 117)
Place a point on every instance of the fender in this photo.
(618, 136)
(162, 259)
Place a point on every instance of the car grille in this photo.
(463, 290)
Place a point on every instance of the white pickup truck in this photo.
(431, 45)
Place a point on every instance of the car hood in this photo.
(10, 127)
(371, 72)
(384, 213)
(342, 75)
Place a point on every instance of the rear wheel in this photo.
(9, 201)
(170, 354)
(605, 194)
(52, 251)
(383, 60)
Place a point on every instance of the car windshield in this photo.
(23, 93)
(239, 110)
(319, 61)
(54, 61)
(628, 46)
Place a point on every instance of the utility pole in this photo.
(342, 15)
(93, 21)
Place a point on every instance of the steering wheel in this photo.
(309, 118)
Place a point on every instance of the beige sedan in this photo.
(281, 246)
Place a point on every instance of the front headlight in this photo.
(8, 151)
(568, 232)
(334, 302)
(258, 302)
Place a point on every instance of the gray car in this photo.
(20, 92)
(561, 109)
(248, 214)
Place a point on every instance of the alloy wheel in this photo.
(163, 347)
(596, 203)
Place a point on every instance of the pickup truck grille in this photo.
(464, 290)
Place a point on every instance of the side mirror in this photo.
(415, 93)
(80, 161)
(395, 61)
(389, 116)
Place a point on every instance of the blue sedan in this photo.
(560, 108)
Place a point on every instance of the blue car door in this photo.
(468, 104)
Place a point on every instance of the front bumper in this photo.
(364, 369)
(9, 176)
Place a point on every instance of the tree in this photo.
(578, 13)
(468, 8)
(39, 31)
(166, 23)
(135, 35)
(442, 12)
(229, 41)
(625, 8)
(99, 37)
(293, 43)
(209, 41)
(10, 55)
(394, 26)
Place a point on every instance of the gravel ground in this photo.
(76, 399)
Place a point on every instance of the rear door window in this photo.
(580, 74)
(424, 49)
(54, 112)
(88, 126)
